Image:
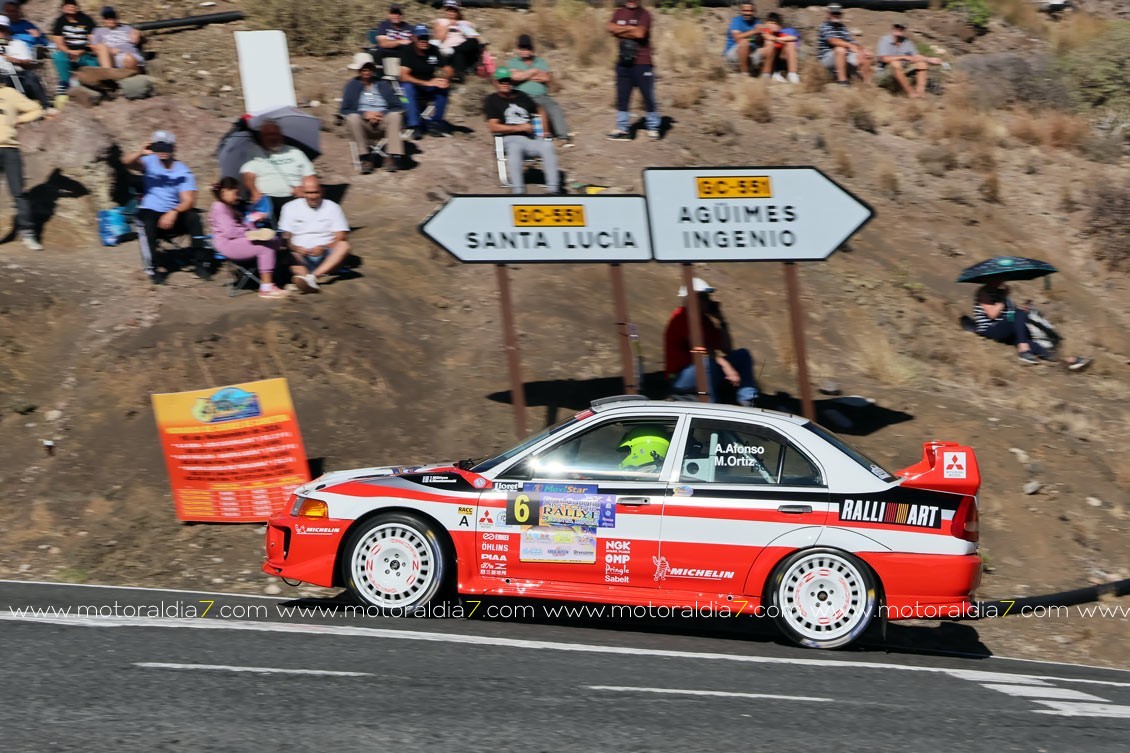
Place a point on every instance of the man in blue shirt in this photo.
(167, 204)
(743, 39)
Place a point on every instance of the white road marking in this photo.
(256, 670)
(1035, 691)
(717, 693)
(1063, 708)
(295, 628)
(975, 675)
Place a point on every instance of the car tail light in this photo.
(313, 508)
(967, 521)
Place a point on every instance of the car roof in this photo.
(605, 404)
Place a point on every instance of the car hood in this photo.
(440, 475)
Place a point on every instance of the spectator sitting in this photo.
(743, 39)
(19, 54)
(726, 365)
(458, 40)
(531, 76)
(896, 54)
(392, 37)
(167, 203)
(780, 49)
(367, 105)
(996, 317)
(510, 115)
(238, 239)
(23, 29)
(422, 72)
(837, 50)
(71, 35)
(16, 109)
(316, 232)
(276, 171)
(116, 43)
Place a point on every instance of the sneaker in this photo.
(325, 279)
(439, 133)
(307, 284)
(30, 241)
(260, 234)
(843, 83)
(157, 278)
(203, 273)
(1080, 363)
(417, 133)
(271, 292)
(652, 134)
(50, 112)
(392, 164)
(568, 144)
(792, 78)
(366, 166)
(779, 78)
(619, 136)
(1027, 358)
(61, 101)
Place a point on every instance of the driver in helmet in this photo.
(646, 447)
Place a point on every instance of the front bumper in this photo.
(304, 549)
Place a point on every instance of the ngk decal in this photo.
(617, 555)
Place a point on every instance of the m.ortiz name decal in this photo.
(891, 513)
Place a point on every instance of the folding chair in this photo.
(243, 274)
(504, 166)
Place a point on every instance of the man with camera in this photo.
(631, 27)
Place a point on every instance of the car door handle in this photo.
(795, 509)
(634, 501)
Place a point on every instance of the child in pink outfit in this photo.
(230, 236)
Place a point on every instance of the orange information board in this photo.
(234, 454)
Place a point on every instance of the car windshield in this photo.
(850, 451)
(486, 465)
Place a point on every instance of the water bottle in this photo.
(539, 132)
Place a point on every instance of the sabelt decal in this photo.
(954, 464)
(891, 513)
(617, 559)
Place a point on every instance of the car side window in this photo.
(625, 450)
(731, 452)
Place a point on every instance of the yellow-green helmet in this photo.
(646, 445)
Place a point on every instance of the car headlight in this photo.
(309, 508)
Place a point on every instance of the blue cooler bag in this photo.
(112, 226)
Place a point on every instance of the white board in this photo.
(264, 71)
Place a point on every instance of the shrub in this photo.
(315, 28)
(976, 12)
(1100, 72)
(937, 160)
(1108, 222)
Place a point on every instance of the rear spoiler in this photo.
(945, 466)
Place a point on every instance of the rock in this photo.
(225, 88)
(1021, 455)
(54, 550)
(1032, 487)
(217, 580)
(830, 388)
(272, 589)
(1035, 469)
(24, 408)
(1094, 502)
(85, 96)
(314, 103)
(217, 560)
(23, 568)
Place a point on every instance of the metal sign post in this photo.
(699, 353)
(533, 229)
(510, 338)
(717, 214)
(620, 300)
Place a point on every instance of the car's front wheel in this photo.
(395, 562)
(823, 598)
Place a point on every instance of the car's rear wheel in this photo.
(395, 562)
(823, 598)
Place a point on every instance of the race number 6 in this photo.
(518, 510)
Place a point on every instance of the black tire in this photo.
(822, 598)
(396, 562)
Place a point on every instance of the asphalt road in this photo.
(144, 670)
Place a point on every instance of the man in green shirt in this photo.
(531, 76)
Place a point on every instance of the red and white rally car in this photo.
(644, 503)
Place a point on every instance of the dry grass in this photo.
(809, 109)
(858, 110)
(937, 160)
(685, 95)
(751, 96)
(1077, 32)
(842, 160)
(990, 188)
(314, 28)
(1055, 129)
(876, 357)
(887, 178)
(1021, 14)
(813, 76)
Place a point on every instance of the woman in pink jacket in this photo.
(242, 241)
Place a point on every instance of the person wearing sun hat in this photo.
(510, 114)
(726, 366)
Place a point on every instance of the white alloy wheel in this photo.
(824, 598)
(394, 562)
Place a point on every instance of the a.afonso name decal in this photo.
(891, 513)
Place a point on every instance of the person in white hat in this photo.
(371, 108)
(16, 109)
(727, 369)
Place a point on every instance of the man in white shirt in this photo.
(277, 169)
(316, 231)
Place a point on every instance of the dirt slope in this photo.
(401, 363)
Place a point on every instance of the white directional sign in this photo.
(523, 229)
(749, 213)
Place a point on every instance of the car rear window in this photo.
(850, 451)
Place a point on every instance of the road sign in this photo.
(749, 213)
(523, 229)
